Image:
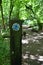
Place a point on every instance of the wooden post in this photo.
(15, 41)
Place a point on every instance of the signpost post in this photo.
(15, 41)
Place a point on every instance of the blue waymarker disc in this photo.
(16, 26)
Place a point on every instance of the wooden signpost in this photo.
(15, 41)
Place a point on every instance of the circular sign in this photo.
(16, 26)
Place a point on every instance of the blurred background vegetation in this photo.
(31, 11)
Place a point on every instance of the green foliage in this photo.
(4, 51)
(19, 8)
(20, 11)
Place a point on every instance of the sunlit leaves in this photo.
(23, 15)
(6, 6)
(19, 9)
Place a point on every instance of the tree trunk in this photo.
(3, 25)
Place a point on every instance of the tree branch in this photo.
(11, 8)
(35, 16)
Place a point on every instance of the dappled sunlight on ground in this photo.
(32, 48)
